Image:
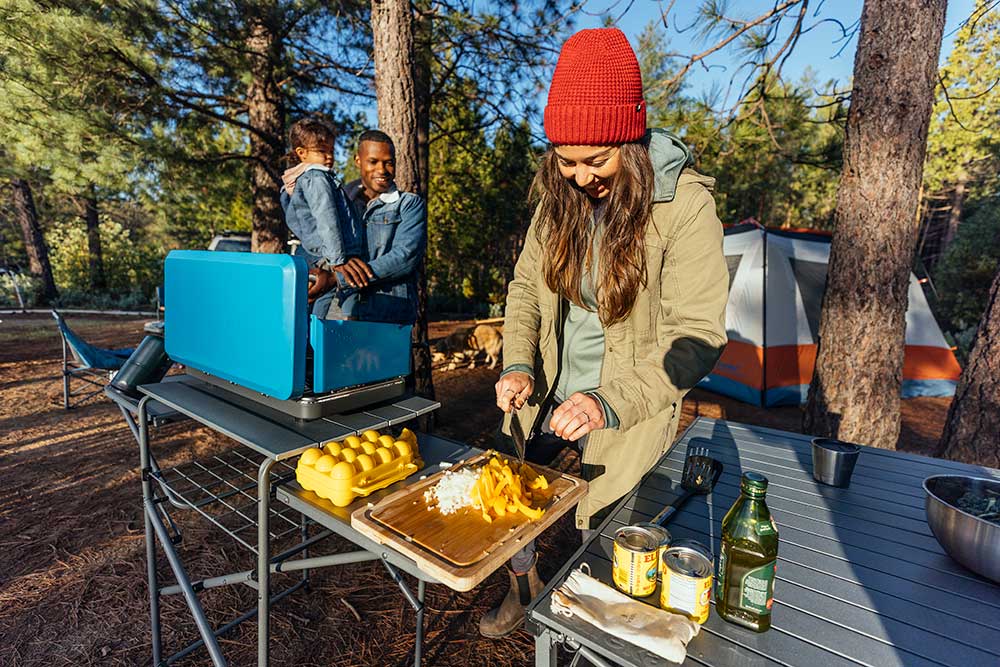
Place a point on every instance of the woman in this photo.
(617, 307)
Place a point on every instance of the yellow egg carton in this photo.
(343, 471)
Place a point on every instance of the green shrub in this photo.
(964, 274)
(128, 266)
(29, 287)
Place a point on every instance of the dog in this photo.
(467, 344)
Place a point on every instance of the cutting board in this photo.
(461, 549)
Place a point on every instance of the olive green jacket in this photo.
(671, 339)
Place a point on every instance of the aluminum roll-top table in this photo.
(860, 578)
(233, 490)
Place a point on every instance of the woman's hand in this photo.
(577, 416)
(513, 389)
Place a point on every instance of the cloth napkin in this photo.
(651, 628)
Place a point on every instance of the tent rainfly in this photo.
(773, 332)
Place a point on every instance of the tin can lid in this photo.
(753, 483)
(693, 545)
(661, 533)
(635, 538)
(688, 562)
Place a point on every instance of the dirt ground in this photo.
(72, 574)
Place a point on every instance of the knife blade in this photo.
(517, 433)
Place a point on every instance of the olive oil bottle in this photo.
(744, 582)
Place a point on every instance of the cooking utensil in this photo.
(833, 461)
(700, 474)
(972, 541)
(517, 433)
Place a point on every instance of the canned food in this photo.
(635, 565)
(686, 573)
(662, 536)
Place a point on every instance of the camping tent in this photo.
(773, 332)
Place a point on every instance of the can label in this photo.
(757, 589)
(662, 536)
(634, 569)
(687, 594)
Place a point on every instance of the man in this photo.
(395, 229)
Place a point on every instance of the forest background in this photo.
(129, 129)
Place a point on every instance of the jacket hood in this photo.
(669, 156)
(291, 175)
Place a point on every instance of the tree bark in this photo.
(972, 431)
(854, 393)
(422, 91)
(98, 281)
(34, 242)
(392, 28)
(955, 214)
(266, 112)
(395, 90)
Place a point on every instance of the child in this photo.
(318, 213)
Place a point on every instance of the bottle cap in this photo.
(753, 484)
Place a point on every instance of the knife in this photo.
(517, 433)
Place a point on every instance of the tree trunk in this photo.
(955, 214)
(395, 86)
(97, 278)
(266, 111)
(854, 393)
(972, 432)
(34, 242)
(422, 91)
(392, 28)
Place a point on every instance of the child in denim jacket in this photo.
(319, 214)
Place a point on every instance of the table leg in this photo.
(546, 654)
(304, 537)
(416, 602)
(147, 499)
(263, 560)
(419, 640)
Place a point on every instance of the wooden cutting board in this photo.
(461, 549)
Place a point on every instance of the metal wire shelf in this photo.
(223, 489)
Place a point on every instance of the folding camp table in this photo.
(234, 489)
(860, 579)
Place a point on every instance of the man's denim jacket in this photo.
(395, 225)
(319, 214)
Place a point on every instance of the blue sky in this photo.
(817, 50)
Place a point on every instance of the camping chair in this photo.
(85, 362)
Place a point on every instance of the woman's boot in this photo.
(509, 615)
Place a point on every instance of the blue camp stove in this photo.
(241, 322)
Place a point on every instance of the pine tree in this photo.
(62, 118)
(972, 430)
(855, 389)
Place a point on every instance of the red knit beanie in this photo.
(596, 93)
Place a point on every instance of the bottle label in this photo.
(757, 589)
(765, 527)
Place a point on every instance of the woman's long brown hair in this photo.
(565, 230)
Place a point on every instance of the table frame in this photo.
(274, 438)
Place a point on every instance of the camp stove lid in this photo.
(239, 316)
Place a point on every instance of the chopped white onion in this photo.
(453, 492)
